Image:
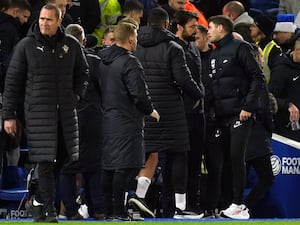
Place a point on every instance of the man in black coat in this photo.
(50, 69)
(167, 75)
(125, 101)
(236, 81)
(90, 151)
(186, 26)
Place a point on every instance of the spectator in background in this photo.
(189, 6)
(284, 85)
(108, 37)
(289, 6)
(125, 100)
(261, 32)
(23, 18)
(59, 84)
(132, 9)
(10, 34)
(284, 32)
(87, 13)
(110, 11)
(62, 5)
(241, 19)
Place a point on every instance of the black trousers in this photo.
(48, 172)
(114, 185)
(196, 126)
(92, 193)
(174, 173)
(263, 169)
(235, 135)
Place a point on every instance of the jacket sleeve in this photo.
(137, 88)
(81, 73)
(14, 86)
(181, 73)
(278, 85)
(253, 74)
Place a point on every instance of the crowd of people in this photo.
(146, 108)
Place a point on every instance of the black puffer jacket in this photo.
(50, 72)
(166, 74)
(125, 101)
(236, 78)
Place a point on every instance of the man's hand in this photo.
(10, 127)
(244, 115)
(294, 112)
(155, 115)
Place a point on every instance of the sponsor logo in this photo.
(285, 165)
(237, 124)
(41, 48)
(276, 164)
(225, 61)
(295, 78)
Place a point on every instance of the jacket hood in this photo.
(287, 59)
(4, 18)
(150, 36)
(110, 54)
(244, 18)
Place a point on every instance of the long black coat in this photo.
(166, 74)
(125, 101)
(50, 72)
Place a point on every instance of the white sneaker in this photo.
(235, 211)
(83, 211)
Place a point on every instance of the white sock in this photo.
(180, 201)
(143, 184)
(36, 203)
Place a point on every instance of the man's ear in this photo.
(179, 28)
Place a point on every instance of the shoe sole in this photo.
(200, 216)
(139, 205)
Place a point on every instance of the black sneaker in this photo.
(141, 206)
(37, 212)
(182, 214)
(51, 215)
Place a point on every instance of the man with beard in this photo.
(186, 24)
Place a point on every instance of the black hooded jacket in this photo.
(49, 72)
(166, 74)
(125, 101)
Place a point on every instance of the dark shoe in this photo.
(37, 212)
(182, 214)
(141, 206)
(51, 215)
(76, 217)
(98, 216)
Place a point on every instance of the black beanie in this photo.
(266, 24)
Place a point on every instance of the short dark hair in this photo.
(202, 29)
(225, 21)
(132, 5)
(157, 17)
(182, 17)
